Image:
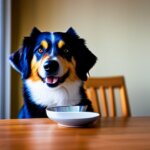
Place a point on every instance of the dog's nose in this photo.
(51, 67)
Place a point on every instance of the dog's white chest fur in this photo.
(65, 94)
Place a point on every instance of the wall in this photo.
(118, 32)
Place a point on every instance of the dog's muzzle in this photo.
(52, 69)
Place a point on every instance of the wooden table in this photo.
(106, 134)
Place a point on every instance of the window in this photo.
(5, 13)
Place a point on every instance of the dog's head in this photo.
(53, 57)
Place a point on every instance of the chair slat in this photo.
(103, 101)
(124, 102)
(92, 95)
(112, 102)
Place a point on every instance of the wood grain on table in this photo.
(107, 133)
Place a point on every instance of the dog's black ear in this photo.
(20, 60)
(15, 60)
(85, 60)
(35, 32)
(72, 32)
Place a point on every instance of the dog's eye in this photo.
(40, 50)
(66, 51)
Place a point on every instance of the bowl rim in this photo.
(82, 108)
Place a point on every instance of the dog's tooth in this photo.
(55, 80)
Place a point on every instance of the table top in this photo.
(107, 133)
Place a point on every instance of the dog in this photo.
(53, 68)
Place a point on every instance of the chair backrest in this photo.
(101, 91)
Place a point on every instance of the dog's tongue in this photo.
(51, 80)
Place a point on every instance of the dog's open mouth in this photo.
(53, 81)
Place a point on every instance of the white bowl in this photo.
(72, 119)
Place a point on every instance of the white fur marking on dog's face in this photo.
(66, 94)
(53, 41)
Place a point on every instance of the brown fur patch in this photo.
(35, 65)
(44, 44)
(71, 66)
(61, 43)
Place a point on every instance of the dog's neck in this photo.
(66, 94)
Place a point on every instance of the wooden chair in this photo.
(101, 91)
